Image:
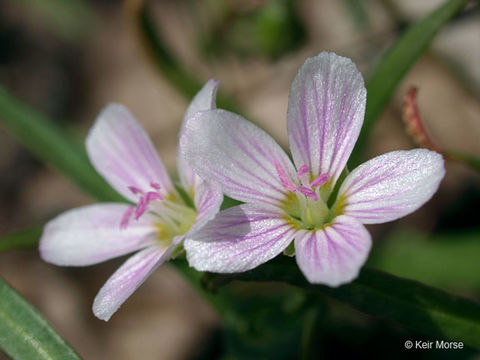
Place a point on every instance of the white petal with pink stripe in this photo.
(127, 279)
(204, 100)
(325, 113)
(239, 239)
(92, 234)
(121, 151)
(334, 254)
(391, 185)
(224, 148)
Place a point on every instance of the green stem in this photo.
(310, 322)
(21, 240)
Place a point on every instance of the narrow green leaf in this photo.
(21, 240)
(48, 142)
(24, 333)
(410, 303)
(447, 260)
(396, 62)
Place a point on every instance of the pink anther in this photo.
(302, 171)
(287, 184)
(135, 190)
(151, 195)
(145, 201)
(155, 186)
(126, 217)
(308, 192)
(319, 180)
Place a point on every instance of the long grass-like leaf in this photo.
(25, 334)
(51, 145)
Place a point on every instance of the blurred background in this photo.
(69, 58)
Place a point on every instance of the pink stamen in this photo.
(308, 192)
(302, 171)
(320, 180)
(287, 184)
(156, 186)
(302, 174)
(141, 208)
(151, 195)
(135, 190)
(126, 217)
(145, 201)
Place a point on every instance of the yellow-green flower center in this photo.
(173, 219)
(307, 213)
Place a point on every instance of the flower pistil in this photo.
(308, 209)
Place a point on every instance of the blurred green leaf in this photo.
(468, 159)
(278, 29)
(410, 303)
(51, 145)
(270, 29)
(358, 13)
(70, 19)
(24, 333)
(447, 260)
(22, 240)
(271, 326)
(258, 322)
(396, 62)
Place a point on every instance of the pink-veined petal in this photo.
(333, 255)
(224, 148)
(121, 151)
(325, 113)
(127, 279)
(92, 234)
(208, 199)
(203, 100)
(391, 185)
(238, 239)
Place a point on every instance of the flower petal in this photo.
(208, 199)
(127, 279)
(238, 239)
(333, 255)
(92, 234)
(121, 151)
(203, 100)
(325, 113)
(223, 147)
(392, 185)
